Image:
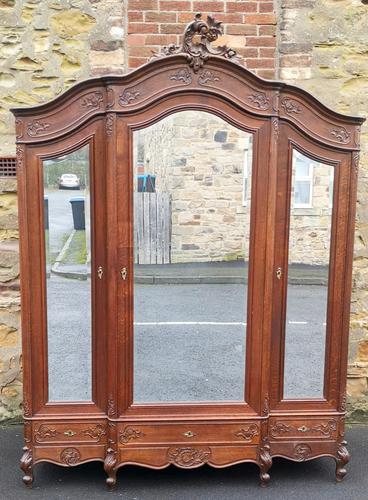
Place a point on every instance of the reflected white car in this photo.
(69, 181)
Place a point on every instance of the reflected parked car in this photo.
(69, 181)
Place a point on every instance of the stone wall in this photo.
(45, 47)
(323, 48)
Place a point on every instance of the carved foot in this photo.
(110, 468)
(26, 466)
(342, 458)
(265, 463)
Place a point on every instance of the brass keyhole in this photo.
(189, 434)
(99, 272)
(124, 273)
(278, 273)
(69, 433)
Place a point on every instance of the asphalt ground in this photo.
(189, 341)
(313, 480)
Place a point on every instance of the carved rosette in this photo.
(128, 434)
(198, 52)
(302, 451)
(189, 457)
(70, 456)
(259, 100)
(248, 432)
(290, 106)
(36, 127)
(182, 75)
(341, 135)
(129, 95)
(93, 100)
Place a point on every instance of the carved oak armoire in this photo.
(186, 257)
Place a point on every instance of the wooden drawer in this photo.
(68, 456)
(157, 433)
(301, 428)
(76, 432)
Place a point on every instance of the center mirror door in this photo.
(192, 206)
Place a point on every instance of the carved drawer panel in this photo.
(301, 450)
(240, 432)
(50, 432)
(286, 428)
(68, 456)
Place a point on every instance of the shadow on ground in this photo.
(313, 480)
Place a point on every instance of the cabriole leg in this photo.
(26, 466)
(265, 463)
(110, 468)
(342, 458)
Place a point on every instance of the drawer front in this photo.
(287, 428)
(137, 434)
(77, 432)
(68, 456)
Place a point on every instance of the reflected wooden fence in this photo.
(152, 228)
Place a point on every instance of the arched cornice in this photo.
(181, 70)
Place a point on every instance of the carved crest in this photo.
(198, 36)
(189, 457)
(70, 456)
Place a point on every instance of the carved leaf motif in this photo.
(45, 432)
(70, 456)
(279, 429)
(356, 161)
(95, 432)
(248, 432)
(19, 128)
(128, 434)
(207, 76)
(20, 161)
(109, 124)
(275, 125)
(110, 97)
(26, 465)
(26, 407)
(93, 100)
(182, 75)
(302, 451)
(128, 96)
(111, 408)
(37, 127)
(260, 100)
(266, 405)
(189, 457)
(341, 134)
(197, 53)
(290, 106)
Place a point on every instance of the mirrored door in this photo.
(192, 217)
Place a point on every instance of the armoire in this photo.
(186, 257)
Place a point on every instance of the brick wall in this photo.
(250, 28)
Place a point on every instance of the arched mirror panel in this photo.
(192, 217)
(310, 224)
(67, 234)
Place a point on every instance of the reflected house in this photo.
(204, 164)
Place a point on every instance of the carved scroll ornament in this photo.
(199, 51)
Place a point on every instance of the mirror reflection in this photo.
(192, 196)
(309, 256)
(68, 275)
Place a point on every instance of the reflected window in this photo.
(303, 185)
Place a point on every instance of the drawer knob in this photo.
(189, 434)
(69, 433)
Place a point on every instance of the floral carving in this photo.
(189, 457)
(70, 456)
(37, 127)
(260, 100)
(109, 124)
(356, 161)
(343, 402)
(26, 408)
(45, 432)
(20, 156)
(341, 134)
(281, 429)
(207, 76)
(110, 97)
(95, 432)
(266, 405)
(128, 96)
(182, 75)
(111, 408)
(93, 100)
(275, 126)
(199, 51)
(248, 432)
(302, 451)
(19, 128)
(290, 106)
(128, 434)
